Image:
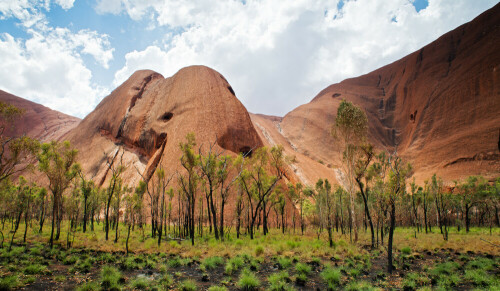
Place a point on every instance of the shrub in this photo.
(248, 281)
(188, 285)
(415, 280)
(332, 277)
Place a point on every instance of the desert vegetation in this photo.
(227, 221)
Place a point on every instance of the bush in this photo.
(332, 277)
(248, 281)
(110, 278)
(188, 285)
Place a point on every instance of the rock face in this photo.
(38, 121)
(148, 116)
(440, 105)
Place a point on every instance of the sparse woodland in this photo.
(223, 217)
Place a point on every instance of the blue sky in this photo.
(69, 54)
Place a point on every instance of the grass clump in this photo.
(248, 281)
(110, 278)
(217, 288)
(406, 250)
(233, 264)
(302, 268)
(165, 281)
(284, 262)
(9, 282)
(414, 280)
(212, 262)
(480, 278)
(82, 266)
(360, 286)
(259, 250)
(140, 283)
(332, 277)
(480, 264)
(70, 260)
(279, 281)
(35, 269)
(187, 285)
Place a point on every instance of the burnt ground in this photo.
(67, 269)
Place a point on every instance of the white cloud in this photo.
(48, 71)
(279, 54)
(47, 67)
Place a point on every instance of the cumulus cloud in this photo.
(47, 66)
(279, 54)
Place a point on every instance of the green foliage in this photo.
(259, 250)
(217, 288)
(70, 260)
(140, 283)
(406, 250)
(89, 286)
(279, 281)
(284, 262)
(9, 283)
(110, 278)
(480, 278)
(35, 269)
(302, 268)
(212, 262)
(413, 281)
(481, 264)
(187, 285)
(166, 281)
(83, 266)
(332, 277)
(233, 265)
(248, 280)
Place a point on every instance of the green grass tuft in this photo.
(332, 277)
(187, 285)
(248, 281)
